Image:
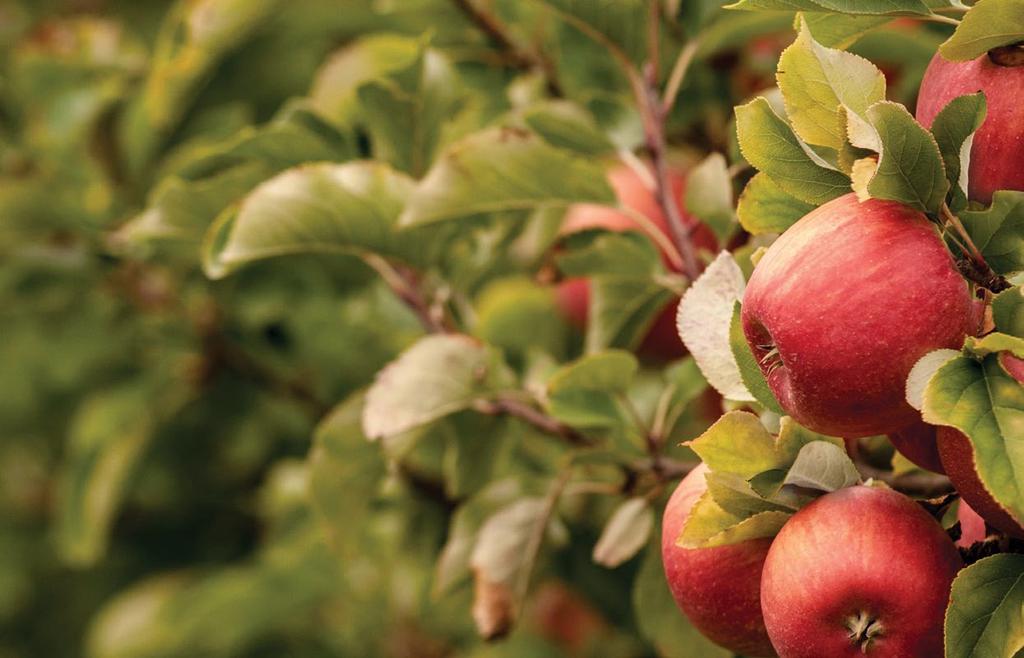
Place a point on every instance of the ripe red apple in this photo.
(662, 340)
(843, 305)
(717, 588)
(862, 571)
(998, 148)
(918, 444)
(958, 459)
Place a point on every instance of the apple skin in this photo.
(998, 148)
(918, 443)
(662, 341)
(851, 296)
(958, 459)
(861, 550)
(716, 588)
(972, 526)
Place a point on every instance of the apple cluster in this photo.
(837, 312)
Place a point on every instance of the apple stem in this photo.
(863, 630)
(979, 271)
(1008, 56)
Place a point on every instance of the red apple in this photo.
(717, 588)
(863, 571)
(662, 340)
(918, 444)
(843, 305)
(972, 526)
(998, 148)
(958, 459)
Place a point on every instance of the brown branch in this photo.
(497, 32)
(403, 282)
(531, 415)
(653, 112)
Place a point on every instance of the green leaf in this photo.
(922, 373)
(346, 470)
(476, 447)
(793, 438)
(406, 114)
(452, 567)
(769, 144)
(625, 533)
(709, 195)
(985, 403)
(335, 89)
(737, 443)
(984, 614)
(765, 208)
(611, 371)
(998, 231)
(184, 204)
(566, 125)
(840, 30)
(993, 343)
(107, 437)
(439, 375)
(658, 615)
(519, 315)
(709, 525)
(705, 314)
(622, 310)
(869, 7)
(989, 24)
(909, 169)
(610, 254)
(321, 208)
(816, 81)
(193, 39)
(822, 466)
(954, 129)
(750, 372)
(736, 496)
(503, 169)
(1008, 311)
(504, 550)
(879, 7)
(583, 393)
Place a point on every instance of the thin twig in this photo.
(536, 539)
(533, 416)
(403, 283)
(652, 111)
(980, 271)
(679, 70)
(498, 33)
(936, 18)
